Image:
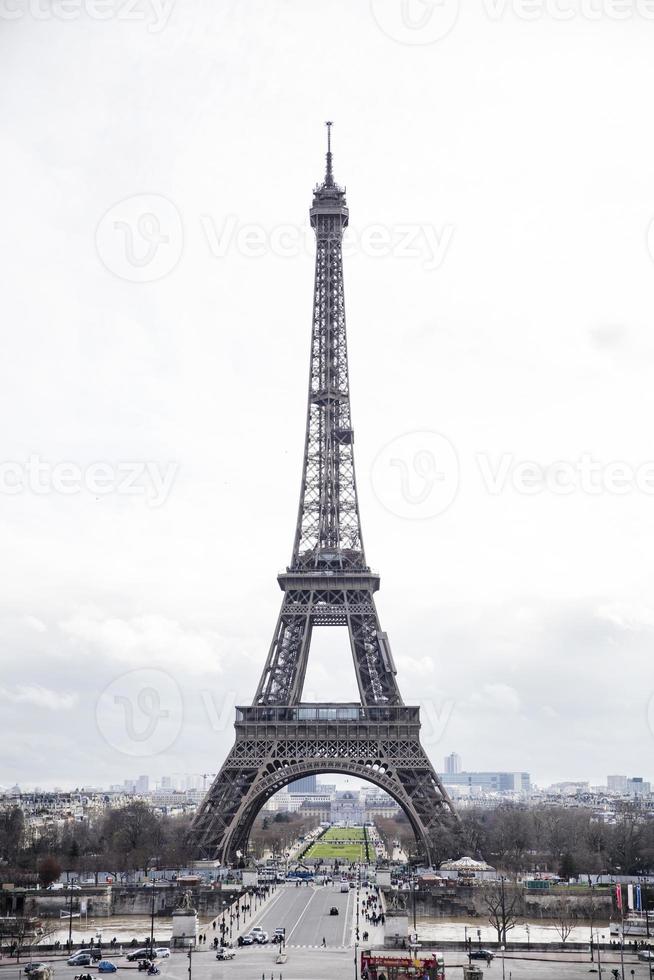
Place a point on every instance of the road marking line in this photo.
(347, 906)
(302, 914)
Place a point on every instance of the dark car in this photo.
(30, 967)
(481, 954)
(333, 910)
(246, 940)
(93, 956)
(141, 954)
(80, 959)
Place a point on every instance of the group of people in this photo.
(372, 908)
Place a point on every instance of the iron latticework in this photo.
(328, 583)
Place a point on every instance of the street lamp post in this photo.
(599, 958)
(70, 916)
(414, 889)
(152, 885)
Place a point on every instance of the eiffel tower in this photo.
(328, 583)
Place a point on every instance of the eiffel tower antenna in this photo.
(328, 582)
(329, 175)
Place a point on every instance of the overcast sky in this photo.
(158, 162)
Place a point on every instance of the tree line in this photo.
(562, 840)
(512, 838)
(121, 839)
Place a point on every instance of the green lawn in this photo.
(335, 851)
(343, 833)
(339, 843)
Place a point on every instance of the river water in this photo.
(128, 927)
(438, 930)
(123, 927)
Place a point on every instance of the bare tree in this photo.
(502, 903)
(565, 917)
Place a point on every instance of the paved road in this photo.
(304, 912)
(332, 963)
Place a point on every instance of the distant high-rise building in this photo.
(636, 786)
(616, 784)
(142, 784)
(452, 763)
(489, 782)
(166, 782)
(308, 784)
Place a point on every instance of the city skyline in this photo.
(199, 781)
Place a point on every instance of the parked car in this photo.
(106, 966)
(481, 954)
(83, 958)
(141, 954)
(246, 940)
(31, 967)
(162, 952)
(333, 910)
(225, 954)
(645, 954)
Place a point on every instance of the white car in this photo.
(225, 954)
(162, 952)
(259, 935)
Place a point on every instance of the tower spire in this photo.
(329, 173)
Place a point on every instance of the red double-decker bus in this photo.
(377, 965)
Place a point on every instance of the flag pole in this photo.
(618, 895)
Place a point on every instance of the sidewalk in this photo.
(375, 933)
(243, 921)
